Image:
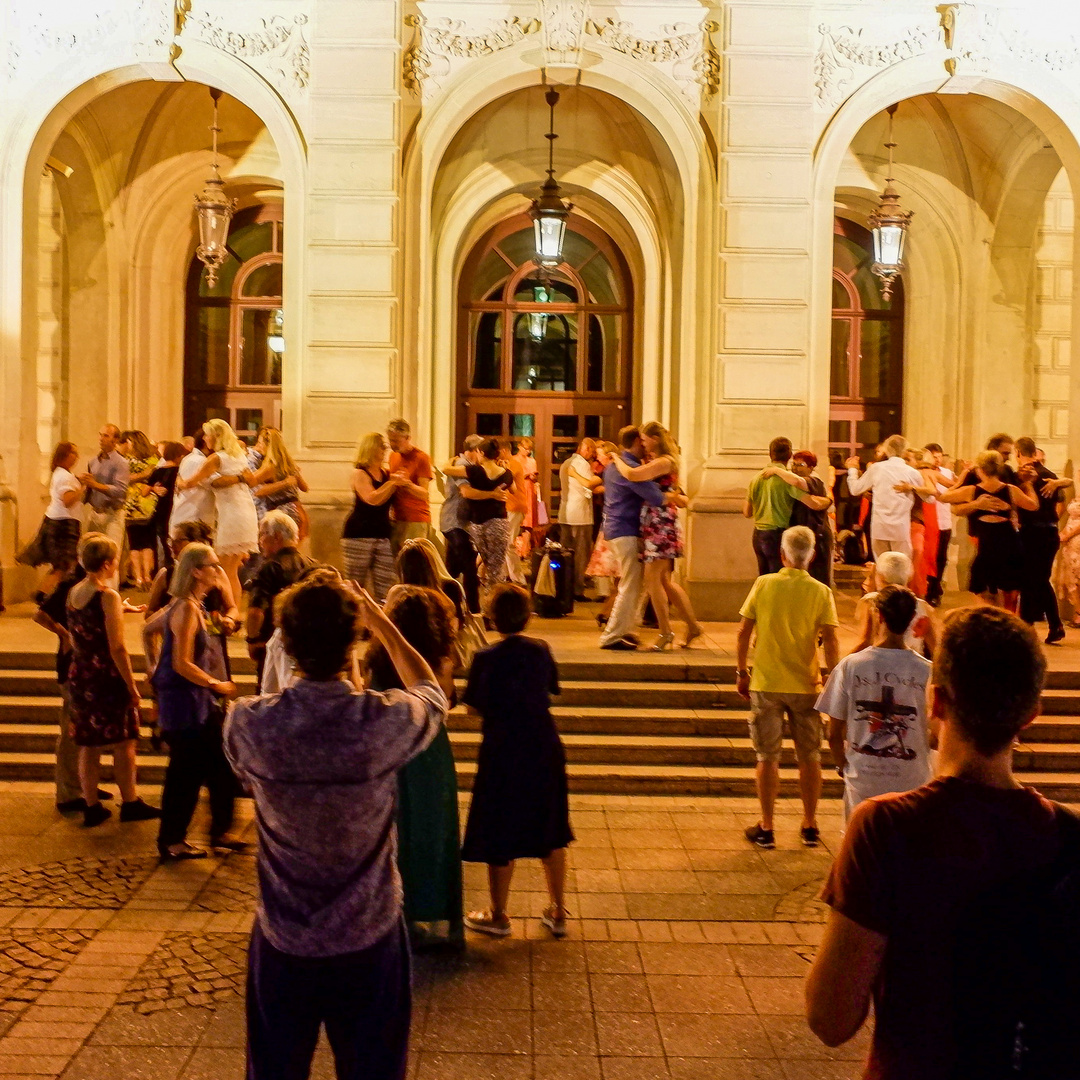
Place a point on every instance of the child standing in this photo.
(520, 805)
(876, 703)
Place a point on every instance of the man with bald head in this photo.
(106, 490)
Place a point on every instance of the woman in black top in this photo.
(489, 527)
(365, 544)
(162, 483)
(996, 570)
(520, 806)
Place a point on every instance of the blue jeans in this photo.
(364, 999)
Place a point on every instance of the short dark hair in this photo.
(934, 448)
(173, 451)
(629, 435)
(198, 439)
(1025, 446)
(318, 623)
(996, 442)
(490, 449)
(780, 449)
(896, 606)
(990, 666)
(193, 532)
(426, 620)
(509, 608)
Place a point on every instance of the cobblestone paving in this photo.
(87, 882)
(802, 905)
(30, 960)
(189, 969)
(233, 887)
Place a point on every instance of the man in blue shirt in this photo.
(623, 500)
(106, 479)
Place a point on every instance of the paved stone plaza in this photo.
(685, 957)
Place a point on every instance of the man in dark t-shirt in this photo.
(912, 864)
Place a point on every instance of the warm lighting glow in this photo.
(214, 210)
(549, 212)
(889, 225)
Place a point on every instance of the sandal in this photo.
(691, 636)
(554, 919)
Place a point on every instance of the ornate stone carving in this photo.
(970, 33)
(843, 50)
(440, 44)
(688, 49)
(277, 46)
(563, 23)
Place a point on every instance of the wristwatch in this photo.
(741, 672)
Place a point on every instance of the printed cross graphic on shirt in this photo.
(888, 721)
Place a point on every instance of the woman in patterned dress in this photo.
(139, 506)
(662, 537)
(1070, 559)
(104, 697)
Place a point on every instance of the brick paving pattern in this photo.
(233, 887)
(30, 960)
(189, 969)
(86, 882)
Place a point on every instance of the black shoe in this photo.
(95, 815)
(762, 838)
(1055, 636)
(137, 810)
(186, 852)
(601, 621)
(69, 806)
(811, 837)
(621, 645)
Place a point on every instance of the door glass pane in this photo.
(602, 372)
(216, 412)
(251, 240)
(839, 431)
(487, 355)
(840, 369)
(247, 424)
(875, 361)
(260, 347)
(522, 424)
(263, 281)
(545, 353)
(212, 346)
(592, 426)
(840, 296)
(223, 285)
(868, 432)
(489, 273)
(601, 280)
(489, 424)
(558, 289)
(565, 427)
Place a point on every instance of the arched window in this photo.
(867, 362)
(544, 354)
(235, 330)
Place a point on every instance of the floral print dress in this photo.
(660, 529)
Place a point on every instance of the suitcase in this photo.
(562, 568)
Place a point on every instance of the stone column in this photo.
(349, 378)
(763, 384)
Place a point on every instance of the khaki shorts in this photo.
(767, 725)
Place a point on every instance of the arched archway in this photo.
(544, 354)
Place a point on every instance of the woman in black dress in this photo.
(520, 806)
(162, 483)
(996, 570)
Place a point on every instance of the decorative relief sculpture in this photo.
(563, 24)
(844, 49)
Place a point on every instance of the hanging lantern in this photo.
(213, 210)
(550, 211)
(889, 226)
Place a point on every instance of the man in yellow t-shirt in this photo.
(790, 612)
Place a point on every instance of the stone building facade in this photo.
(723, 159)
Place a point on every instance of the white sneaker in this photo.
(484, 922)
(555, 923)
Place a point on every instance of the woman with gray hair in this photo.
(191, 684)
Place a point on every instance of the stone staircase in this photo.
(670, 725)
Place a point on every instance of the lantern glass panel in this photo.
(549, 232)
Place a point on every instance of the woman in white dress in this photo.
(237, 522)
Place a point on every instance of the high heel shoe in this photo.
(601, 621)
(663, 642)
(692, 636)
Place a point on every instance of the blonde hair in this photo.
(371, 447)
(224, 438)
(96, 550)
(277, 454)
(193, 557)
(668, 446)
(990, 462)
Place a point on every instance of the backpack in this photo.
(1016, 974)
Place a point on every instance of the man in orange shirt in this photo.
(412, 501)
(517, 503)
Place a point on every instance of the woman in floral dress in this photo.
(140, 506)
(1070, 559)
(662, 537)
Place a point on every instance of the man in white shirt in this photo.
(894, 484)
(578, 482)
(876, 703)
